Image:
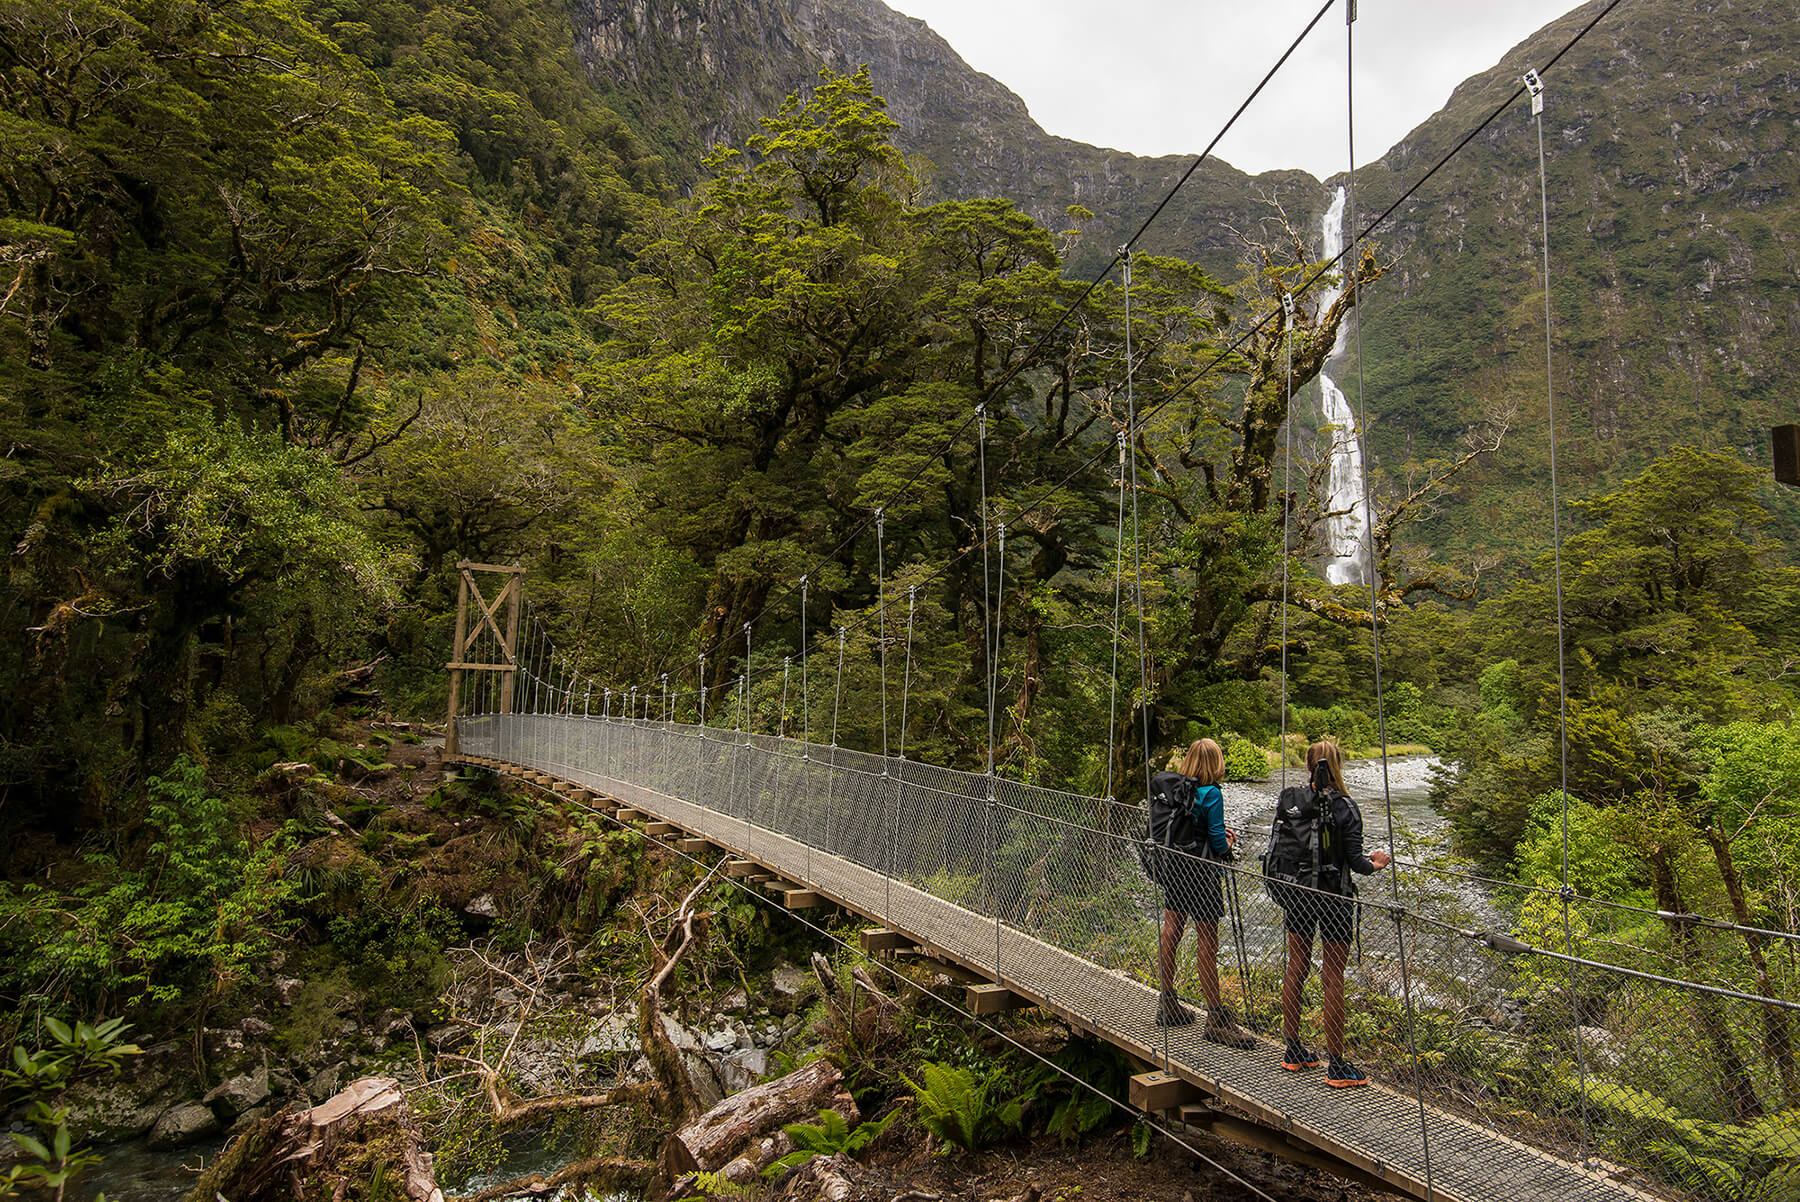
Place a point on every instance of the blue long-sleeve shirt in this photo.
(1209, 816)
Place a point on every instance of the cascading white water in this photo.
(1346, 533)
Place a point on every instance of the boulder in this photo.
(109, 1112)
(287, 989)
(179, 1126)
(483, 907)
(238, 1094)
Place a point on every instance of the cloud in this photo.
(1162, 77)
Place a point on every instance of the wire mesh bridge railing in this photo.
(1538, 1061)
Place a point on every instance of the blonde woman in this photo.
(1192, 889)
(1318, 896)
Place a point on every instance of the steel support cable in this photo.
(1125, 250)
(925, 990)
(1112, 701)
(1534, 84)
(900, 772)
(1684, 917)
(837, 698)
(881, 625)
(987, 650)
(1373, 569)
(993, 689)
(1287, 518)
(1505, 943)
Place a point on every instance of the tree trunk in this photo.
(362, 1134)
(1736, 1090)
(709, 1142)
(1778, 1040)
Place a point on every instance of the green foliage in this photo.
(198, 916)
(35, 1079)
(1244, 760)
(964, 1109)
(830, 1136)
(1082, 1086)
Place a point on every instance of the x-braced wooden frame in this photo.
(465, 638)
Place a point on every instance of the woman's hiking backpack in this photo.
(1171, 823)
(1302, 843)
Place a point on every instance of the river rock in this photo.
(722, 1040)
(234, 1096)
(742, 1069)
(109, 1112)
(182, 1125)
(325, 1082)
(789, 982)
(287, 989)
(483, 906)
(613, 1034)
(735, 1002)
(683, 1039)
(256, 1028)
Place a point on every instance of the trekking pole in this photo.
(1237, 932)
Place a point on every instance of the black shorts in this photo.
(1191, 886)
(1332, 916)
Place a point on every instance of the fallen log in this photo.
(709, 1142)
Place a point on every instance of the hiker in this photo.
(1315, 844)
(1190, 878)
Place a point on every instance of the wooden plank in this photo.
(472, 566)
(882, 939)
(465, 667)
(1264, 1139)
(629, 815)
(741, 867)
(994, 999)
(694, 847)
(801, 899)
(660, 828)
(1162, 1091)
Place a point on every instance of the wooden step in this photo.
(994, 999)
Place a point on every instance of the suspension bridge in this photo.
(1519, 1050)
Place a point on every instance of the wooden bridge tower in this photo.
(509, 596)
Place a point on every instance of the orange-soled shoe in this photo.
(1299, 1057)
(1341, 1074)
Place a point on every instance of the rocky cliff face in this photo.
(691, 73)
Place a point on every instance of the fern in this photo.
(830, 1136)
(958, 1107)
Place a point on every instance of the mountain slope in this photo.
(690, 73)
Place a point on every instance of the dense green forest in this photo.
(302, 302)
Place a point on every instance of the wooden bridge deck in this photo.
(1375, 1129)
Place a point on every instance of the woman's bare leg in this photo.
(1206, 936)
(1331, 984)
(1299, 963)
(1174, 923)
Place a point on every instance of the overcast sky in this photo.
(1163, 76)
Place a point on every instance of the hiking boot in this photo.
(1299, 1057)
(1171, 1013)
(1222, 1028)
(1341, 1074)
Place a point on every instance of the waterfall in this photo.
(1346, 534)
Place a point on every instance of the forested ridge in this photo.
(303, 302)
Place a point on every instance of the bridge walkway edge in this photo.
(1375, 1129)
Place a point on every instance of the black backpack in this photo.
(1171, 822)
(1302, 842)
